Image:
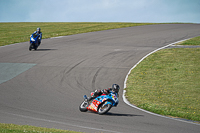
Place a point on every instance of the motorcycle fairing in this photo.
(94, 105)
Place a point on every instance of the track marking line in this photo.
(57, 122)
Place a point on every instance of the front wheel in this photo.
(30, 47)
(83, 106)
(104, 108)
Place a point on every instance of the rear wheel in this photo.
(104, 108)
(36, 46)
(83, 106)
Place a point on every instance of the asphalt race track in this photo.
(45, 87)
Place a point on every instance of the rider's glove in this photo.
(104, 91)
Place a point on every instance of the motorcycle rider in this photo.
(115, 89)
(38, 31)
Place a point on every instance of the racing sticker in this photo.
(93, 106)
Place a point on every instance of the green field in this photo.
(194, 41)
(167, 82)
(20, 32)
(12, 128)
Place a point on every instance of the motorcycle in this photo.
(34, 41)
(101, 104)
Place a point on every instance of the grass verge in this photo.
(193, 41)
(20, 32)
(167, 82)
(12, 128)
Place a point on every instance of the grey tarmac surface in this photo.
(48, 93)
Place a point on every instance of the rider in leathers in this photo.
(115, 88)
(38, 31)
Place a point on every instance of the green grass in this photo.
(167, 82)
(20, 32)
(193, 41)
(12, 128)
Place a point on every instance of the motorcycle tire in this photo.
(104, 108)
(83, 106)
(36, 46)
(30, 47)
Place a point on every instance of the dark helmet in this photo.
(38, 30)
(115, 88)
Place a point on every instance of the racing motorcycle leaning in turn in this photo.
(101, 104)
(34, 41)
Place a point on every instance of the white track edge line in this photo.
(52, 121)
(124, 91)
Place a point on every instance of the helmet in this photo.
(38, 30)
(115, 88)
